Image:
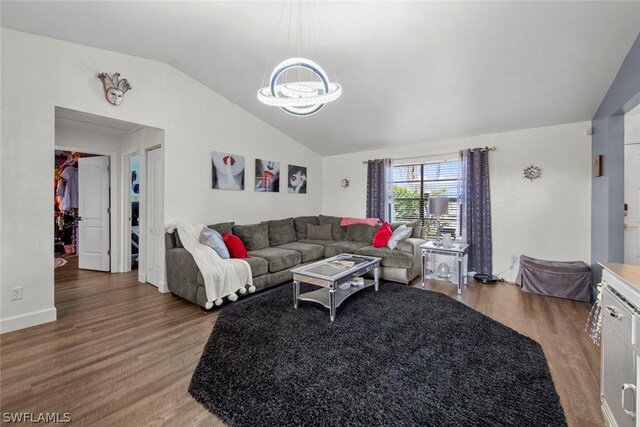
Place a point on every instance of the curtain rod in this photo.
(493, 148)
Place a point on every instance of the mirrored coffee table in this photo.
(330, 274)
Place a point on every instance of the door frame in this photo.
(113, 197)
(126, 211)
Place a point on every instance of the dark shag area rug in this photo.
(399, 357)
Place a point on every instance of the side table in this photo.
(459, 251)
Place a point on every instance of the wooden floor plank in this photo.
(121, 353)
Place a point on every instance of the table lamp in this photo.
(438, 206)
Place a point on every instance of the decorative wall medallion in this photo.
(532, 172)
(114, 88)
(344, 183)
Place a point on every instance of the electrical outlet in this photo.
(16, 293)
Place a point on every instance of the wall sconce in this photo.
(344, 183)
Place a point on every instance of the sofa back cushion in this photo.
(338, 232)
(223, 227)
(361, 233)
(416, 226)
(301, 225)
(319, 232)
(281, 232)
(254, 236)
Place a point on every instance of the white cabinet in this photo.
(620, 345)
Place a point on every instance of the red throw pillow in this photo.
(382, 236)
(235, 246)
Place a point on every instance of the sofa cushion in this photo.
(300, 224)
(259, 266)
(361, 233)
(308, 251)
(390, 258)
(416, 233)
(279, 259)
(337, 230)
(343, 247)
(254, 236)
(223, 227)
(319, 232)
(320, 242)
(281, 231)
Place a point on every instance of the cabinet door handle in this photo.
(612, 312)
(626, 387)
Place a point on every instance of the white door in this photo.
(632, 199)
(155, 228)
(93, 212)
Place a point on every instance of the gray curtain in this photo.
(379, 194)
(475, 218)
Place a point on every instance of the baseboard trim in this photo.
(163, 288)
(27, 320)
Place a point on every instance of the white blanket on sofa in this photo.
(222, 277)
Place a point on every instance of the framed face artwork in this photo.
(297, 181)
(227, 171)
(267, 176)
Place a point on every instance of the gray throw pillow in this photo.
(301, 225)
(401, 233)
(213, 239)
(254, 236)
(319, 232)
(337, 231)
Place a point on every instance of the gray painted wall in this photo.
(607, 191)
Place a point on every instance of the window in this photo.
(413, 184)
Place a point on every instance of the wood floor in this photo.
(121, 353)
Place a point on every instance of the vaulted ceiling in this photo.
(411, 71)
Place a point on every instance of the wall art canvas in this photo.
(297, 179)
(227, 171)
(267, 176)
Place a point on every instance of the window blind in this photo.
(413, 184)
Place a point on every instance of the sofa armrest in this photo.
(411, 245)
(182, 273)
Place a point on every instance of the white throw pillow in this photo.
(400, 233)
(213, 239)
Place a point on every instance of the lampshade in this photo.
(438, 205)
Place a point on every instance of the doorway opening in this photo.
(632, 186)
(134, 218)
(112, 170)
(81, 210)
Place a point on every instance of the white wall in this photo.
(632, 126)
(39, 73)
(547, 218)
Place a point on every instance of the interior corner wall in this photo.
(547, 218)
(39, 73)
(607, 193)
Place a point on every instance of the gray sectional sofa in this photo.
(275, 247)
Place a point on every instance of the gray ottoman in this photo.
(570, 279)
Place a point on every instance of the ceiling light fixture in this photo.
(299, 86)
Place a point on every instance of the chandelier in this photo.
(299, 86)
